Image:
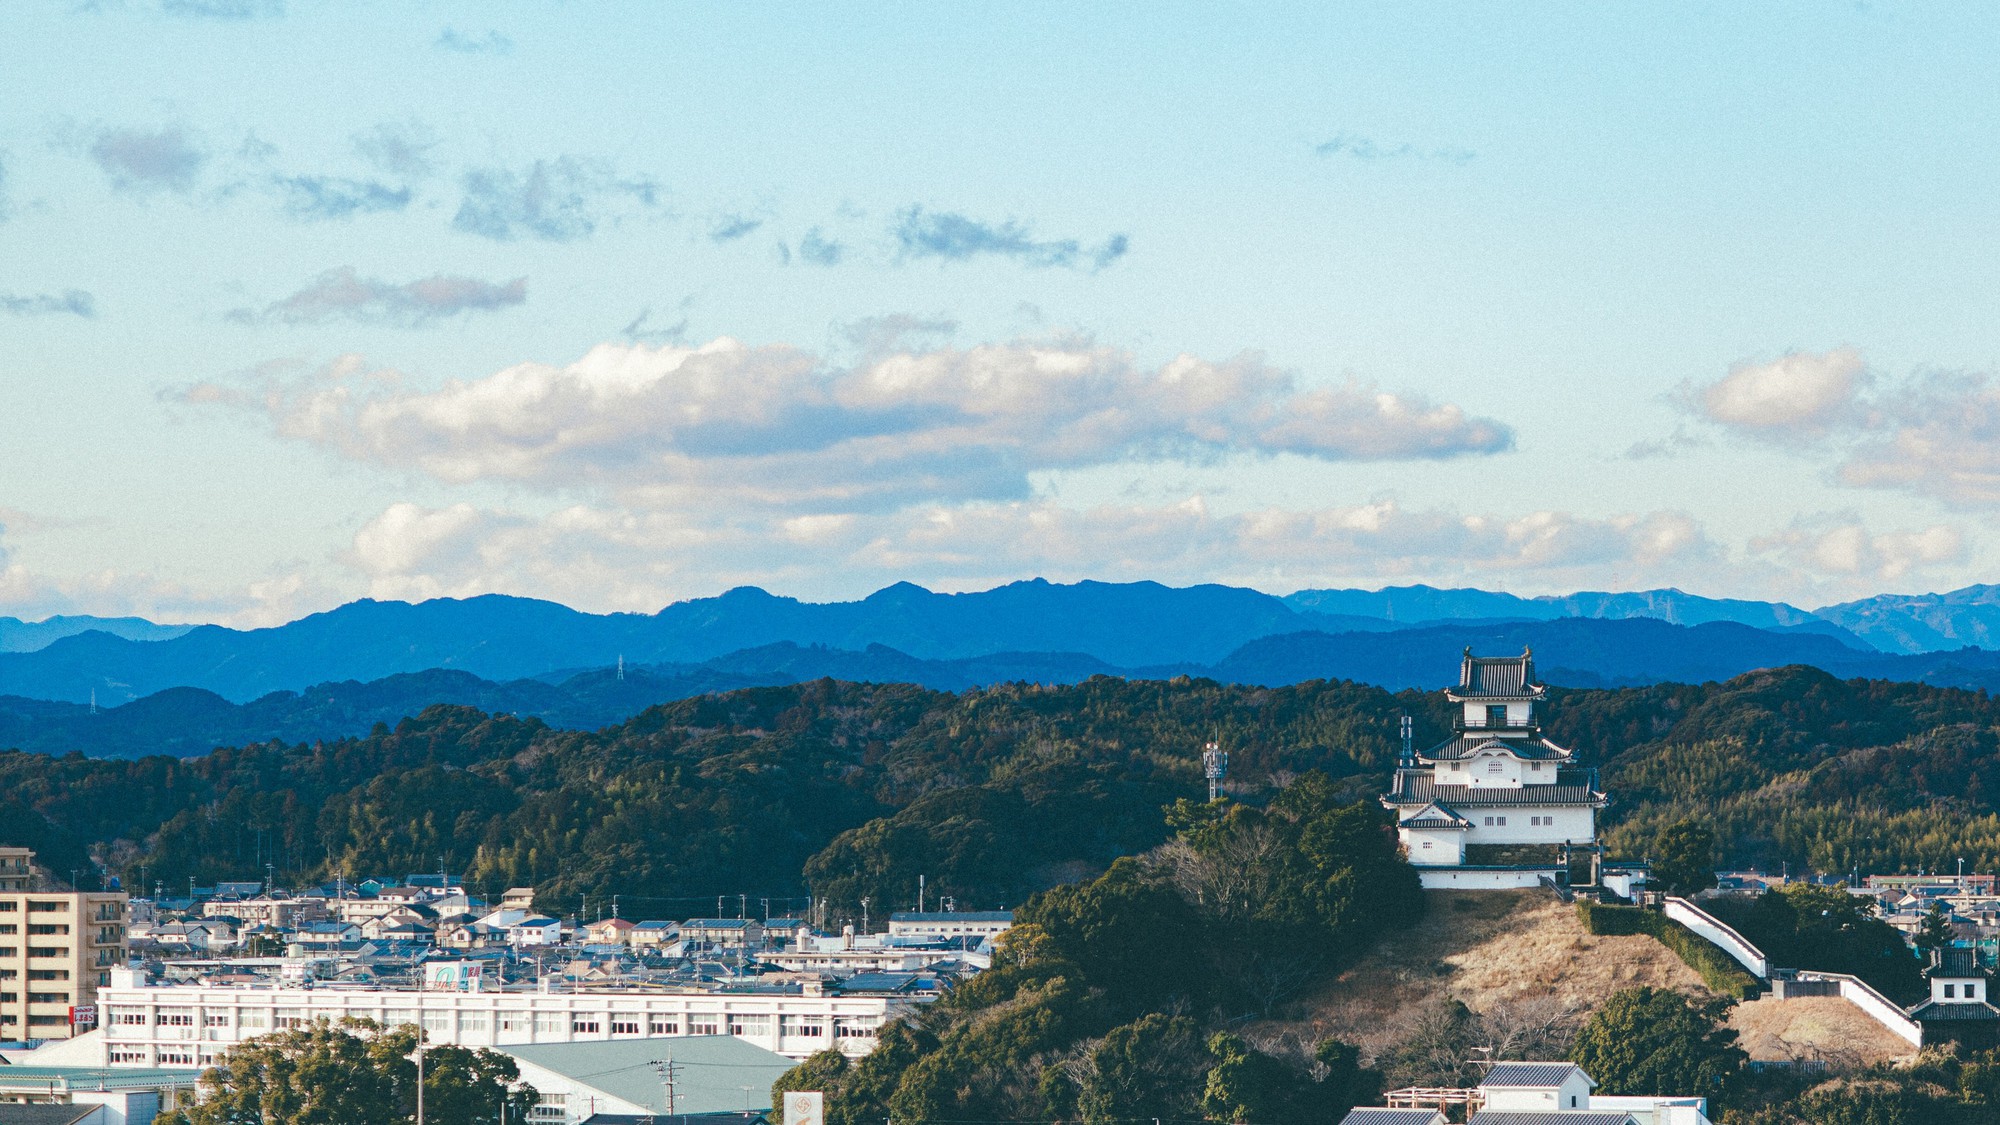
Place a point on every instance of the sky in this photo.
(618, 304)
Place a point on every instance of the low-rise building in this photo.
(162, 1025)
(951, 923)
(709, 1074)
(722, 933)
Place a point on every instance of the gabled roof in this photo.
(652, 925)
(1532, 1075)
(1419, 787)
(1953, 1011)
(1434, 816)
(1497, 677)
(1462, 746)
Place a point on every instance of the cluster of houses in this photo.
(593, 1012)
(385, 931)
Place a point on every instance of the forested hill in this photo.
(846, 790)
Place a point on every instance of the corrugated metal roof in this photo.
(1418, 787)
(1373, 1115)
(713, 1070)
(1536, 1074)
(1551, 1117)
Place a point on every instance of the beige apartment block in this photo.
(57, 946)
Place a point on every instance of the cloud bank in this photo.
(1931, 434)
(775, 426)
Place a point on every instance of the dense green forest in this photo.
(848, 791)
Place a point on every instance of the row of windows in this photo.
(547, 1023)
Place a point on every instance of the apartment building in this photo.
(57, 948)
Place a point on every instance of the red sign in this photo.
(83, 1015)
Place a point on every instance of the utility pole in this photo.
(420, 1076)
(920, 894)
(670, 1073)
(864, 916)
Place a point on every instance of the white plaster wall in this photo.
(1445, 846)
(1563, 825)
(1494, 770)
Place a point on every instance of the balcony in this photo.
(1482, 726)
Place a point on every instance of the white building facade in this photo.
(1496, 781)
(177, 1025)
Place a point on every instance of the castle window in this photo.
(1427, 845)
(1949, 990)
(1494, 766)
(1501, 821)
(1489, 822)
(1536, 766)
(1496, 715)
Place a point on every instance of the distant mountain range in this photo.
(17, 635)
(1572, 652)
(1139, 627)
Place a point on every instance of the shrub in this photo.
(1718, 970)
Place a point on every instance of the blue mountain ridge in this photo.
(1571, 652)
(1124, 625)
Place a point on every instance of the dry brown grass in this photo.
(1489, 949)
(1814, 1027)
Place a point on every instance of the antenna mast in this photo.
(1215, 767)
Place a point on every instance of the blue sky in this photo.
(623, 303)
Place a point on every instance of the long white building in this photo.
(193, 1025)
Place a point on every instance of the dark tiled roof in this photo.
(1532, 1074)
(1940, 1011)
(1497, 677)
(1371, 1115)
(1571, 787)
(1551, 1117)
(1434, 816)
(1463, 746)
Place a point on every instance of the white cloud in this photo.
(613, 559)
(1801, 392)
(670, 427)
(1843, 547)
(1938, 436)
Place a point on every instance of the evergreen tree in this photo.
(1684, 857)
(1656, 1041)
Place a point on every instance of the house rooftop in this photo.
(1374, 1115)
(1551, 1117)
(1534, 1075)
(713, 1070)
